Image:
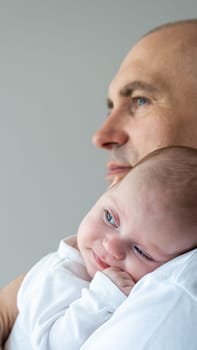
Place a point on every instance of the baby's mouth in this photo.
(102, 264)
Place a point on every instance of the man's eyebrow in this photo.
(127, 90)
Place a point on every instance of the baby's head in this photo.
(169, 175)
(147, 219)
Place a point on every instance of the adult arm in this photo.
(8, 307)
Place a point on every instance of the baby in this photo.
(137, 225)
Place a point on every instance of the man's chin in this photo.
(114, 179)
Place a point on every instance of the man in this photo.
(153, 98)
(152, 103)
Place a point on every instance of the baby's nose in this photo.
(114, 246)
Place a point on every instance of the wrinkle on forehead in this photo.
(166, 58)
(137, 75)
(175, 45)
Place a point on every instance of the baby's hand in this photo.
(122, 279)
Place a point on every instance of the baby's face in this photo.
(130, 228)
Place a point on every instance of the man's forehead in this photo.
(155, 59)
(165, 42)
(141, 67)
(136, 75)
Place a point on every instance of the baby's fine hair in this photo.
(173, 170)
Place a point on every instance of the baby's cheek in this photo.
(136, 268)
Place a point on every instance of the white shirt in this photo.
(159, 314)
(59, 308)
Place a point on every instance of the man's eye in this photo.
(140, 252)
(139, 101)
(109, 218)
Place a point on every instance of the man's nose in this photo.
(114, 247)
(112, 133)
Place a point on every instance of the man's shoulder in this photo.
(174, 279)
(180, 272)
(185, 275)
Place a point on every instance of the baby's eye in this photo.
(109, 218)
(141, 253)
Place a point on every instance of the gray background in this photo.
(56, 60)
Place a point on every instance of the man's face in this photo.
(129, 228)
(151, 103)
